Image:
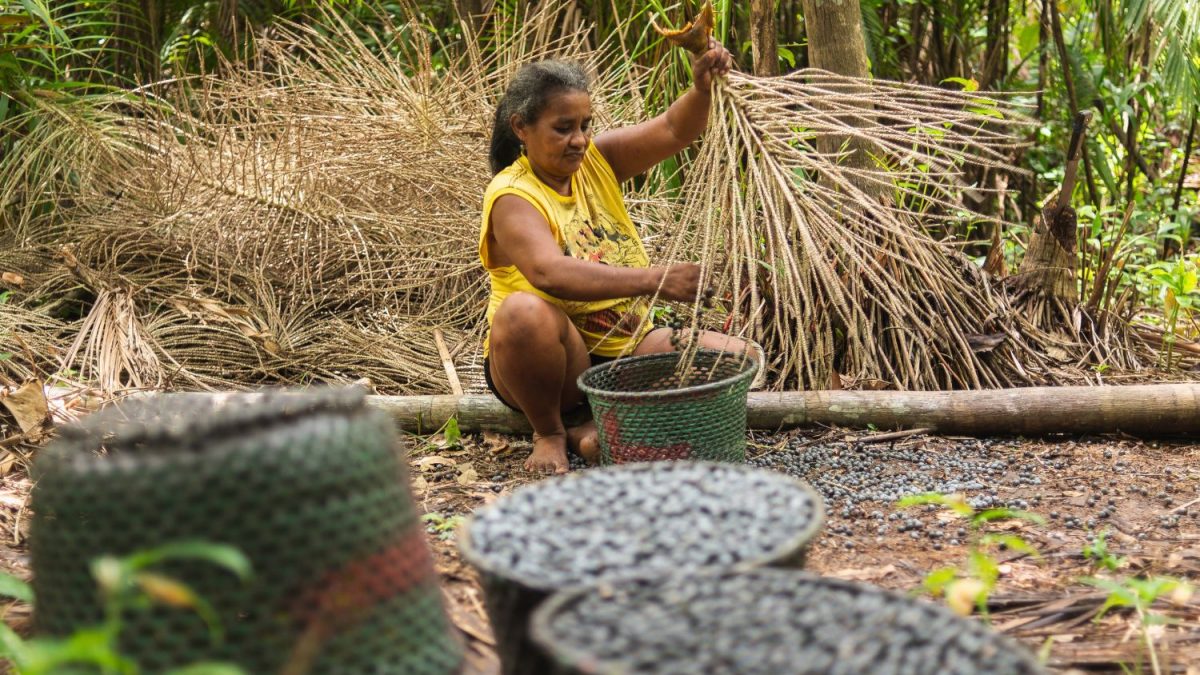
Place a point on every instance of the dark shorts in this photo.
(487, 376)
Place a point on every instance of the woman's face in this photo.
(556, 141)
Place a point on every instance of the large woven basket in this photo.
(647, 408)
(512, 591)
(763, 622)
(311, 487)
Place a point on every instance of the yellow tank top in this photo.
(592, 224)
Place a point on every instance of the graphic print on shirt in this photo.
(595, 237)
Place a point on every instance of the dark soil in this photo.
(1144, 495)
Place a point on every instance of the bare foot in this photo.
(549, 454)
(584, 440)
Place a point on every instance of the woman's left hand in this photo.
(716, 61)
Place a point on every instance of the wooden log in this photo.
(1139, 410)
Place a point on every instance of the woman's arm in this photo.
(631, 151)
(524, 239)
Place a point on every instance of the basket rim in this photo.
(540, 631)
(800, 541)
(747, 373)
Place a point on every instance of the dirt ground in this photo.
(1145, 494)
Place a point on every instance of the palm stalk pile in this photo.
(313, 217)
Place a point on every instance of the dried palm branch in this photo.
(834, 256)
(310, 217)
(814, 201)
(31, 343)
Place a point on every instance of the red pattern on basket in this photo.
(623, 452)
(343, 595)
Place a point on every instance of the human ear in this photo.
(518, 127)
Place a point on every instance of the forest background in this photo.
(119, 264)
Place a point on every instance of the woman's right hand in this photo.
(680, 282)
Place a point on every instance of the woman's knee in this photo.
(526, 317)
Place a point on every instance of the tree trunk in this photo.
(995, 59)
(836, 44)
(471, 11)
(764, 45)
(1143, 410)
(835, 37)
(1050, 262)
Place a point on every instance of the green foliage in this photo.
(1175, 284)
(1098, 553)
(1140, 594)
(12, 587)
(971, 584)
(126, 584)
(443, 526)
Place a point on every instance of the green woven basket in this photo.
(647, 410)
(311, 487)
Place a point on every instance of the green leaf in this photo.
(987, 112)
(991, 515)
(1190, 279)
(12, 647)
(967, 84)
(787, 55)
(952, 502)
(935, 582)
(1118, 594)
(11, 586)
(452, 435)
(95, 646)
(221, 555)
(984, 567)
(1012, 541)
(38, 9)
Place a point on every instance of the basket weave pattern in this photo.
(646, 410)
(311, 488)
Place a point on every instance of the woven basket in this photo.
(646, 410)
(311, 487)
(763, 622)
(510, 597)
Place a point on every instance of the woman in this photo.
(568, 272)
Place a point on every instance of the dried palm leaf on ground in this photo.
(31, 343)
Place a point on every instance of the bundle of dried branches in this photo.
(830, 263)
(314, 216)
(310, 217)
(31, 344)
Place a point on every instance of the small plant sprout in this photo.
(1178, 286)
(1141, 593)
(967, 587)
(1098, 553)
(442, 526)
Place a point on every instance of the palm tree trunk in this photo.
(764, 45)
(995, 59)
(836, 44)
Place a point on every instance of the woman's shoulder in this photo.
(515, 175)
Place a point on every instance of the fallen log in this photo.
(1139, 410)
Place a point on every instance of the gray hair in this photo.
(526, 97)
